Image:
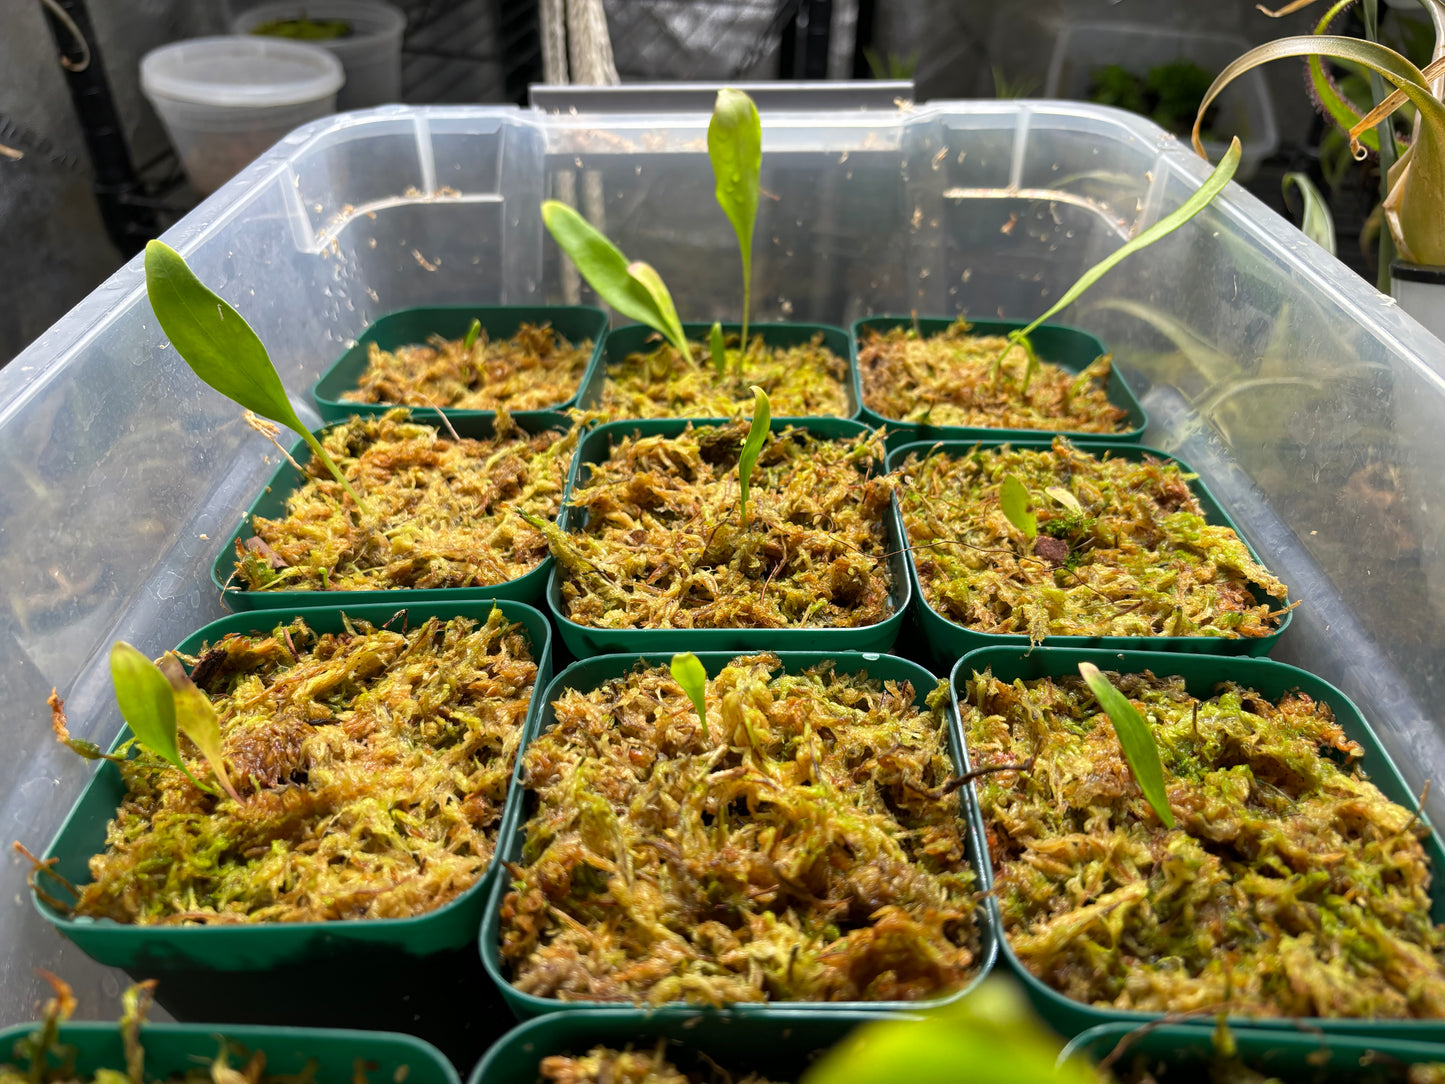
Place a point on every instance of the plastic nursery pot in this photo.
(589, 674)
(413, 326)
(947, 640)
(1201, 673)
(640, 339)
(1185, 1052)
(271, 504)
(174, 1050)
(773, 1046)
(155, 950)
(586, 640)
(1065, 346)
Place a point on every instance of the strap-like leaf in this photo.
(145, 700)
(719, 349)
(472, 333)
(735, 146)
(753, 446)
(1317, 224)
(687, 671)
(1014, 498)
(652, 282)
(196, 718)
(1135, 739)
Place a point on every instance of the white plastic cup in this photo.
(224, 100)
(371, 53)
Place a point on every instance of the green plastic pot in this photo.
(641, 339)
(947, 640)
(1200, 673)
(1069, 347)
(172, 1050)
(413, 326)
(271, 503)
(775, 1046)
(1184, 1052)
(584, 640)
(251, 947)
(589, 674)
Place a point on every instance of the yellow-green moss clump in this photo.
(604, 1065)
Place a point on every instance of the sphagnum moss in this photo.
(1290, 885)
(954, 378)
(1135, 558)
(437, 515)
(808, 848)
(604, 1065)
(533, 370)
(372, 767)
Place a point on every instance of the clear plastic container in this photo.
(1311, 406)
(370, 52)
(224, 100)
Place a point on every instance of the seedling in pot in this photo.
(687, 671)
(753, 447)
(1141, 751)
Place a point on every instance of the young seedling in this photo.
(719, 349)
(1135, 739)
(1202, 197)
(1014, 498)
(472, 333)
(735, 146)
(154, 703)
(221, 348)
(753, 446)
(687, 671)
(634, 289)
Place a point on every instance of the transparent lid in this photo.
(242, 71)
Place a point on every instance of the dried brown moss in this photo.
(806, 848)
(438, 510)
(954, 378)
(604, 1065)
(803, 380)
(1290, 887)
(664, 545)
(535, 369)
(372, 767)
(1136, 559)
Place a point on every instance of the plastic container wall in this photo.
(1309, 403)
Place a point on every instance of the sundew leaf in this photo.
(687, 671)
(1135, 738)
(147, 704)
(1064, 497)
(1317, 224)
(735, 146)
(1203, 195)
(652, 282)
(1015, 500)
(196, 718)
(719, 349)
(221, 348)
(606, 270)
(753, 446)
(472, 333)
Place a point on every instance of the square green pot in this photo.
(1185, 1051)
(777, 1046)
(641, 339)
(173, 1050)
(948, 640)
(412, 326)
(251, 947)
(1066, 346)
(589, 674)
(1200, 673)
(286, 480)
(585, 640)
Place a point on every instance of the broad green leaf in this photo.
(1064, 497)
(989, 1037)
(220, 347)
(1317, 223)
(719, 349)
(605, 268)
(1015, 500)
(472, 333)
(735, 145)
(1135, 739)
(1212, 186)
(651, 281)
(1415, 207)
(753, 446)
(196, 718)
(688, 672)
(146, 702)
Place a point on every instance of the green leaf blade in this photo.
(718, 347)
(1317, 223)
(473, 332)
(196, 718)
(687, 671)
(646, 275)
(1014, 497)
(146, 702)
(735, 147)
(753, 445)
(1135, 739)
